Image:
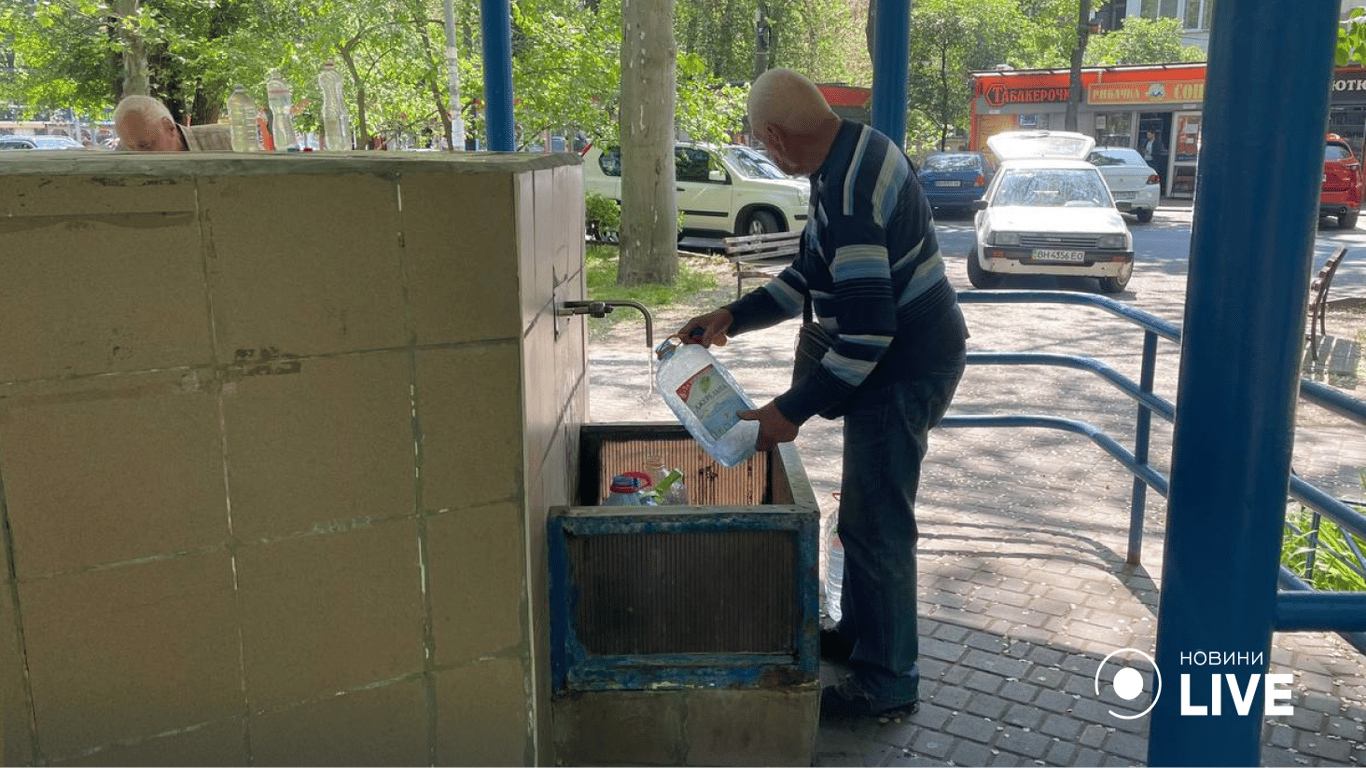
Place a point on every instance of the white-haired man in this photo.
(870, 268)
(144, 124)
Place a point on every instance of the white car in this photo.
(722, 190)
(1133, 183)
(1048, 212)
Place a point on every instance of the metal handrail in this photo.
(1299, 607)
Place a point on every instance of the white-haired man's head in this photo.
(793, 120)
(144, 124)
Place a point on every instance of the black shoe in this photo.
(844, 701)
(834, 648)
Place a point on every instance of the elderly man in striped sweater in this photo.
(870, 267)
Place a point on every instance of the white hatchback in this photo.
(722, 190)
(1048, 212)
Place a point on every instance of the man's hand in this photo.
(774, 427)
(707, 329)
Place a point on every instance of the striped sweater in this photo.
(870, 262)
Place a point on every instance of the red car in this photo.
(1342, 182)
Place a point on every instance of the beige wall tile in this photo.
(481, 715)
(378, 726)
(109, 469)
(137, 279)
(131, 651)
(16, 742)
(470, 417)
(332, 440)
(220, 743)
(532, 300)
(461, 256)
(539, 377)
(56, 194)
(330, 612)
(477, 568)
(305, 267)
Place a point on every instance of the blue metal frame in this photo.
(1298, 608)
(573, 668)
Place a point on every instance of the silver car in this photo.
(1134, 184)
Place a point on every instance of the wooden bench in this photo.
(765, 255)
(1318, 301)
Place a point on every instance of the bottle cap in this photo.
(629, 482)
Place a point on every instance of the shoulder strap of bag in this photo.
(806, 309)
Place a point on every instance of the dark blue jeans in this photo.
(885, 440)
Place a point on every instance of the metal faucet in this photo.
(603, 308)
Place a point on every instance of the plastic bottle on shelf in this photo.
(281, 124)
(628, 490)
(336, 122)
(667, 483)
(705, 398)
(242, 119)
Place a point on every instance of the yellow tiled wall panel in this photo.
(378, 726)
(488, 728)
(108, 469)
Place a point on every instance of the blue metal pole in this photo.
(1261, 163)
(891, 68)
(496, 20)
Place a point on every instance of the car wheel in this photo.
(1348, 220)
(760, 223)
(1144, 215)
(1116, 284)
(980, 278)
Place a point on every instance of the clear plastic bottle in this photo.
(628, 490)
(705, 398)
(336, 123)
(667, 483)
(281, 123)
(242, 119)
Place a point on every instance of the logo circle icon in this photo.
(1127, 682)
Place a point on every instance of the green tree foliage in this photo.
(1352, 39)
(949, 39)
(1142, 41)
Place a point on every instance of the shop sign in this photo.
(1146, 93)
(1349, 86)
(999, 94)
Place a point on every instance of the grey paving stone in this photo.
(952, 698)
(1092, 735)
(1018, 691)
(968, 753)
(986, 682)
(1054, 701)
(972, 727)
(1061, 753)
(1127, 746)
(932, 716)
(991, 707)
(1023, 716)
(949, 652)
(1031, 744)
(1062, 727)
(933, 744)
(1325, 747)
(951, 633)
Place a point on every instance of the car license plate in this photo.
(948, 183)
(1125, 195)
(1052, 255)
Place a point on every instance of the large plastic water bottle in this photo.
(336, 123)
(242, 119)
(705, 398)
(628, 490)
(280, 99)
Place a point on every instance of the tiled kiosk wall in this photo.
(277, 439)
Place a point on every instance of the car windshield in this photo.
(1104, 157)
(752, 164)
(1052, 188)
(1336, 152)
(962, 162)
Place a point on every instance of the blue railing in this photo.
(1299, 607)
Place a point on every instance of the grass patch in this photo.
(1337, 553)
(601, 263)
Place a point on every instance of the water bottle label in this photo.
(713, 402)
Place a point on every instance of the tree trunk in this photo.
(1074, 93)
(362, 130)
(136, 80)
(649, 203)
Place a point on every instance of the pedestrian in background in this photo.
(870, 267)
(144, 124)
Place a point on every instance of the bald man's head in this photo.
(145, 125)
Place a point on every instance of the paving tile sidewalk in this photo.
(1024, 586)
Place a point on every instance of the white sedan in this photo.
(1134, 184)
(1048, 212)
